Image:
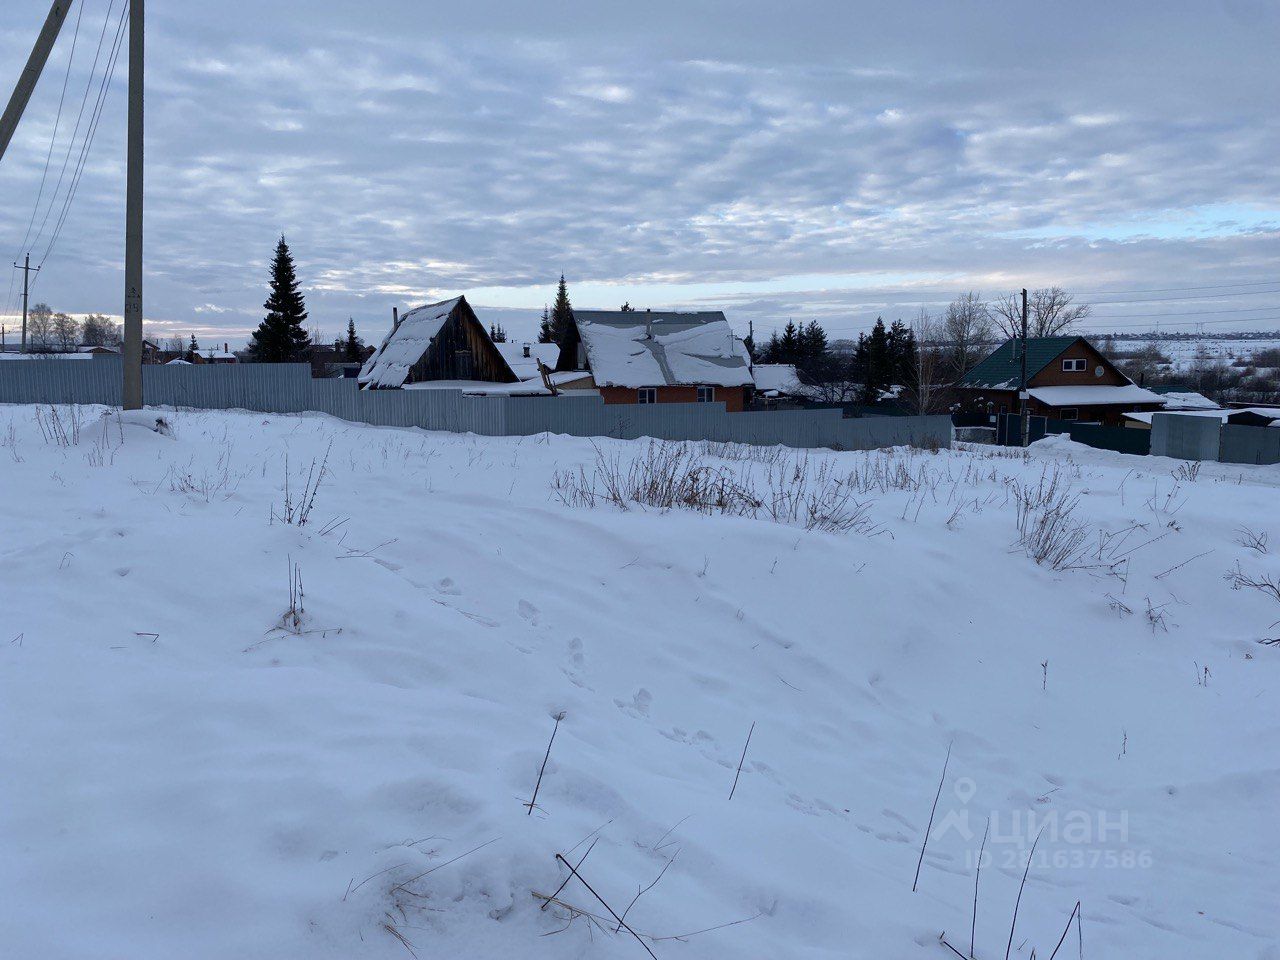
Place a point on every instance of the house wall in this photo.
(1054, 376)
(461, 332)
(733, 398)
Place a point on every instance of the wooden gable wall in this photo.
(462, 350)
(1054, 376)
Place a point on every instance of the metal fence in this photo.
(1208, 438)
(289, 388)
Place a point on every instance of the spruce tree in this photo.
(192, 348)
(281, 336)
(545, 334)
(561, 313)
(789, 344)
(353, 346)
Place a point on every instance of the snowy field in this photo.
(191, 771)
(1186, 354)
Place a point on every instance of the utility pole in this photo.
(31, 72)
(26, 269)
(1023, 395)
(131, 390)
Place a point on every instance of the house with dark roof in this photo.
(659, 357)
(1067, 379)
(442, 341)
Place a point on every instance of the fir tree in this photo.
(788, 344)
(561, 313)
(545, 334)
(497, 334)
(352, 346)
(193, 348)
(281, 337)
(811, 344)
(628, 308)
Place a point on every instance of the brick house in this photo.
(659, 357)
(1067, 379)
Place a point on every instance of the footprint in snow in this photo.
(529, 612)
(639, 705)
(447, 587)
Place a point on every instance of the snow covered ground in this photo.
(187, 774)
(1186, 354)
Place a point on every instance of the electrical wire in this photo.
(103, 90)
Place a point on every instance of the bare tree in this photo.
(923, 391)
(1050, 313)
(66, 332)
(175, 345)
(968, 328)
(40, 328)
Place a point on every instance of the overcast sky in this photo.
(828, 160)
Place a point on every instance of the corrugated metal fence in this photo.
(1208, 438)
(289, 388)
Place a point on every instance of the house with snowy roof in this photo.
(644, 357)
(524, 357)
(1067, 379)
(443, 342)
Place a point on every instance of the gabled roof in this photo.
(1002, 370)
(654, 349)
(409, 339)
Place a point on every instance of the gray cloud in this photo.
(845, 161)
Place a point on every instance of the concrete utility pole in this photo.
(131, 392)
(1023, 396)
(26, 269)
(31, 72)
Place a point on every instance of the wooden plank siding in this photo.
(462, 350)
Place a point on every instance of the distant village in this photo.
(972, 360)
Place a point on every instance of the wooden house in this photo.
(439, 341)
(659, 357)
(1067, 379)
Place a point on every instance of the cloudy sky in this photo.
(829, 160)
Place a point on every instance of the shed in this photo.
(438, 341)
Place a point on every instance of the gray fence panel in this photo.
(289, 388)
(1241, 444)
(60, 381)
(1187, 438)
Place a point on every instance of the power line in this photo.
(53, 139)
(1211, 286)
(89, 136)
(1198, 296)
(1185, 313)
(84, 99)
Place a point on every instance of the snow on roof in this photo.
(389, 365)
(180, 363)
(526, 368)
(45, 356)
(1092, 395)
(776, 378)
(1145, 416)
(218, 355)
(633, 349)
(483, 388)
(1187, 400)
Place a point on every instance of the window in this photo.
(706, 394)
(1074, 366)
(1069, 413)
(647, 395)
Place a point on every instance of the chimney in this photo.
(526, 350)
(395, 318)
(224, 347)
